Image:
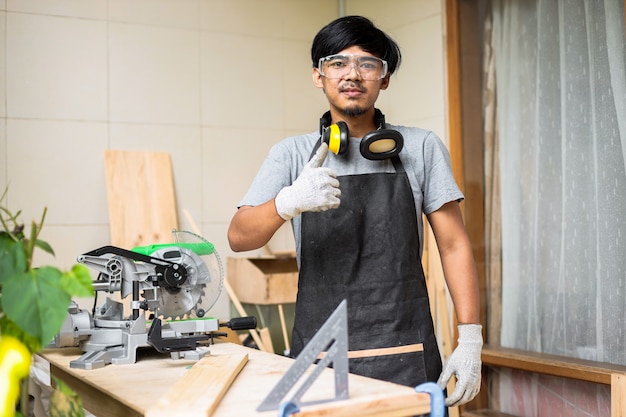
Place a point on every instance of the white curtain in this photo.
(561, 96)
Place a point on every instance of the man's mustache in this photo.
(352, 86)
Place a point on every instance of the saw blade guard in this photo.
(204, 278)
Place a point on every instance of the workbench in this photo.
(130, 390)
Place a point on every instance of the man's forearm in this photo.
(252, 227)
(460, 273)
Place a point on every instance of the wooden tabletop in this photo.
(130, 390)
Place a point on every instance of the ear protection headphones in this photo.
(377, 145)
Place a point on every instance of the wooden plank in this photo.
(400, 405)
(486, 413)
(283, 326)
(200, 390)
(266, 337)
(455, 139)
(141, 200)
(618, 395)
(555, 365)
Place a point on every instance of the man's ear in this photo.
(385, 83)
(317, 78)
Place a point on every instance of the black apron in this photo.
(367, 251)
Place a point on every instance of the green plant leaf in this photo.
(9, 328)
(45, 246)
(37, 302)
(78, 282)
(12, 258)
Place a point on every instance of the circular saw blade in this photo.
(205, 279)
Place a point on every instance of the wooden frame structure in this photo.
(565, 367)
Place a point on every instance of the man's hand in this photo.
(465, 364)
(316, 189)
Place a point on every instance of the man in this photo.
(357, 219)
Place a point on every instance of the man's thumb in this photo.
(319, 157)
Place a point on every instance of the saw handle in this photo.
(241, 323)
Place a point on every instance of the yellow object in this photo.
(15, 361)
(334, 140)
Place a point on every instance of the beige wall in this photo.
(214, 83)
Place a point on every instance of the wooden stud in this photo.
(201, 389)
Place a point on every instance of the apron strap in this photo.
(315, 148)
(397, 164)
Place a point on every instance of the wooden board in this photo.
(131, 390)
(142, 204)
(201, 389)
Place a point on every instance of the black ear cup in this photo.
(381, 144)
(336, 136)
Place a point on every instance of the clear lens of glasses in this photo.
(338, 66)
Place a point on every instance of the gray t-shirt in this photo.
(425, 158)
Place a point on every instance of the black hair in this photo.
(348, 31)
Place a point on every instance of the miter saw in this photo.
(177, 284)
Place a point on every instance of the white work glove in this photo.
(465, 364)
(316, 189)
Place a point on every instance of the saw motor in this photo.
(174, 285)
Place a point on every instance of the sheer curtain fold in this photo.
(561, 103)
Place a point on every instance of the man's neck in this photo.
(358, 126)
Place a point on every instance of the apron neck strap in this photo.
(397, 164)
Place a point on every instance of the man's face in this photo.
(351, 95)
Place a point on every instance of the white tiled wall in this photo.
(214, 83)
(3, 83)
(416, 94)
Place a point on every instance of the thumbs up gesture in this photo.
(316, 189)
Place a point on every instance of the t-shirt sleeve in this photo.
(274, 174)
(440, 186)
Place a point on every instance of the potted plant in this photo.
(33, 304)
